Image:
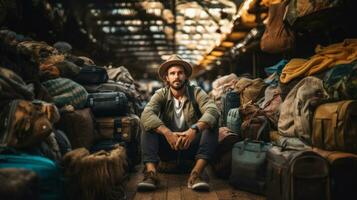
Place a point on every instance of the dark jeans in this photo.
(155, 147)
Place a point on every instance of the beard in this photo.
(177, 85)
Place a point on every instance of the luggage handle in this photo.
(245, 142)
(284, 147)
(117, 100)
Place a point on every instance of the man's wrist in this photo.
(195, 128)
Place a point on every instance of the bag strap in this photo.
(191, 95)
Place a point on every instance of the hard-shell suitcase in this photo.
(343, 173)
(121, 128)
(297, 175)
(78, 127)
(125, 130)
(50, 176)
(108, 104)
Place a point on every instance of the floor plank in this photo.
(174, 187)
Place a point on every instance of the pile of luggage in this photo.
(292, 135)
(70, 125)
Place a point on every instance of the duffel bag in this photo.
(92, 75)
(335, 127)
(108, 104)
(249, 166)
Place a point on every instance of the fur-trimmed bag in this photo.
(96, 176)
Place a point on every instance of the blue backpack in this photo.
(50, 176)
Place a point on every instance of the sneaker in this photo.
(196, 182)
(150, 181)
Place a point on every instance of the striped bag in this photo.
(66, 92)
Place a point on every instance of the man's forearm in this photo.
(163, 130)
(202, 126)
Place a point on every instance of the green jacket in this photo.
(160, 109)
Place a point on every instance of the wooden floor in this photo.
(174, 187)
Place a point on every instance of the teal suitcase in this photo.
(50, 176)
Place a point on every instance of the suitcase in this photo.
(19, 184)
(120, 128)
(78, 127)
(50, 176)
(234, 121)
(297, 175)
(249, 166)
(92, 75)
(105, 104)
(229, 100)
(335, 127)
(343, 173)
(124, 130)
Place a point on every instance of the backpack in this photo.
(296, 110)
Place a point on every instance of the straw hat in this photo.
(174, 60)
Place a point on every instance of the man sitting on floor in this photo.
(179, 119)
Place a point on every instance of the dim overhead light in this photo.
(227, 44)
(217, 53)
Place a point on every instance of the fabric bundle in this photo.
(325, 58)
